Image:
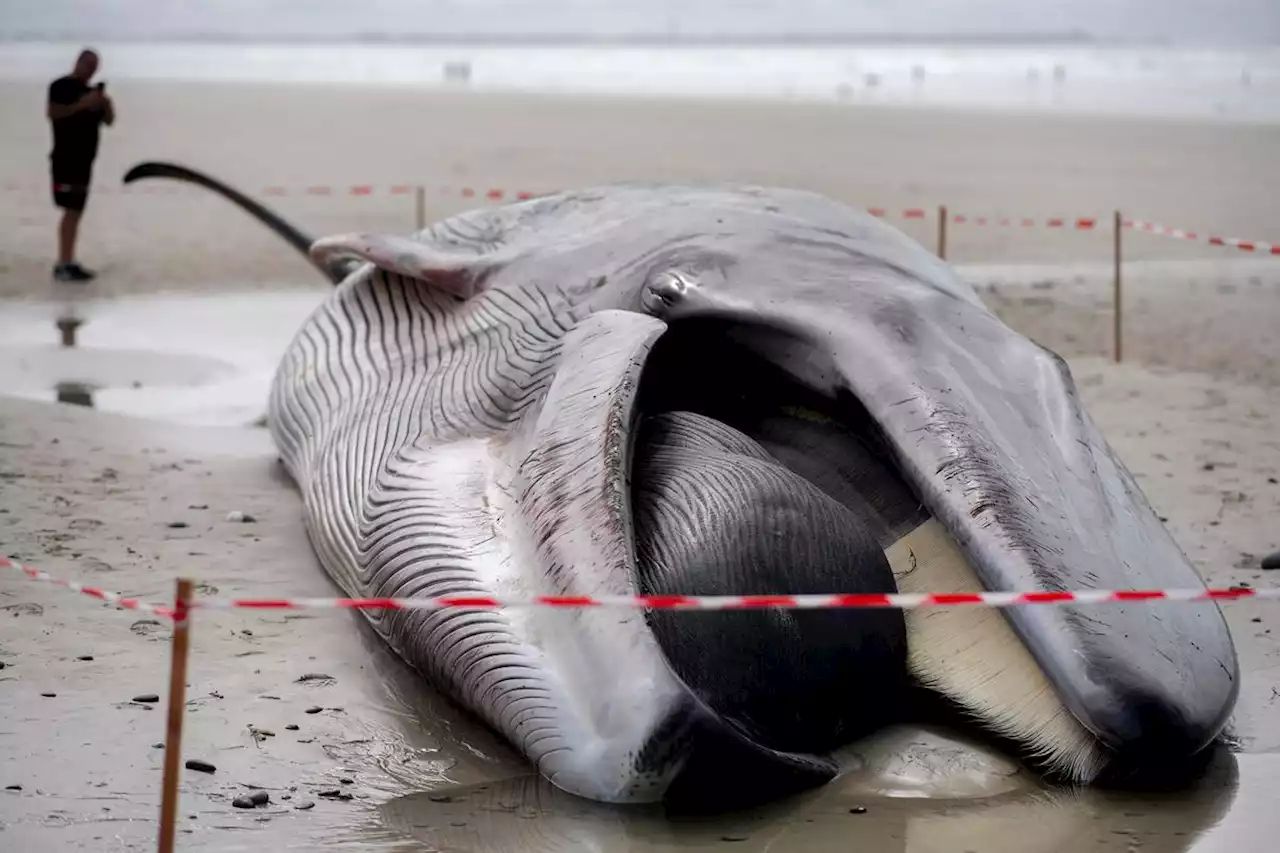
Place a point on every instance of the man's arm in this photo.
(57, 111)
(108, 111)
(62, 102)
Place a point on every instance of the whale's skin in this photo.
(725, 389)
(457, 416)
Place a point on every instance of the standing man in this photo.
(76, 111)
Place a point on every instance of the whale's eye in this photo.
(663, 291)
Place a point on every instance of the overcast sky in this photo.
(1185, 21)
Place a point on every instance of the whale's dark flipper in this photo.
(335, 269)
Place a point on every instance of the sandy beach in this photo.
(96, 496)
(1199, 176)
(1213, 177)
(195, 302)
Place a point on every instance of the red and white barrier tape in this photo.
(901, 601)
(115, 598)
(1080, 223)
(909, 213)
(491, 194)
(497, 194)
(1179, 234)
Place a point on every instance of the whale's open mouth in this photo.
(744, 481)
(757, 469)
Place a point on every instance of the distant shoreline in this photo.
(567, 39)
(1100, 78)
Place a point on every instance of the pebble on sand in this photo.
(13, 787)
(314, 676)
(314, 709)
(202, 766)
(304, 805)
(292, 727)
(242, 517)
(85, 657)
(249, 801)
(335, 795)
(177, 524)
(1271, 561)
(48, 695)
(146, 697)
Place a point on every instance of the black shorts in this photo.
(71, 185)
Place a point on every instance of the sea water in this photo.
(1241, 83)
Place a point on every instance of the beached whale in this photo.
(700, 390)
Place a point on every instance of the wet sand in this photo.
(95, 496)
(1217, 316)
(92, 495)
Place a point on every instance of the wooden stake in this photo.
(942, 231)
(67, 328)
(1117, 339)
(177, 706)
(420, 207)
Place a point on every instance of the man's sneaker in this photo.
(72, 272)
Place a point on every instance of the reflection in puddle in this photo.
(929, 763)
(71, 391)
(67, 327)
(529, 815)
(205, 360)
(74, 393)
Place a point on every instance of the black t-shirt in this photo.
(75, 138)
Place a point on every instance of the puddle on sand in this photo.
(529, 815)
(74, 394)
(204, 360)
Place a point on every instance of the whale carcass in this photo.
(702, 390)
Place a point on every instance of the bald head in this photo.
(86, 65)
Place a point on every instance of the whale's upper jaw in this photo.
(988, 431)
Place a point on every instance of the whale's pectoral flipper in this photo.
(460, 273)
